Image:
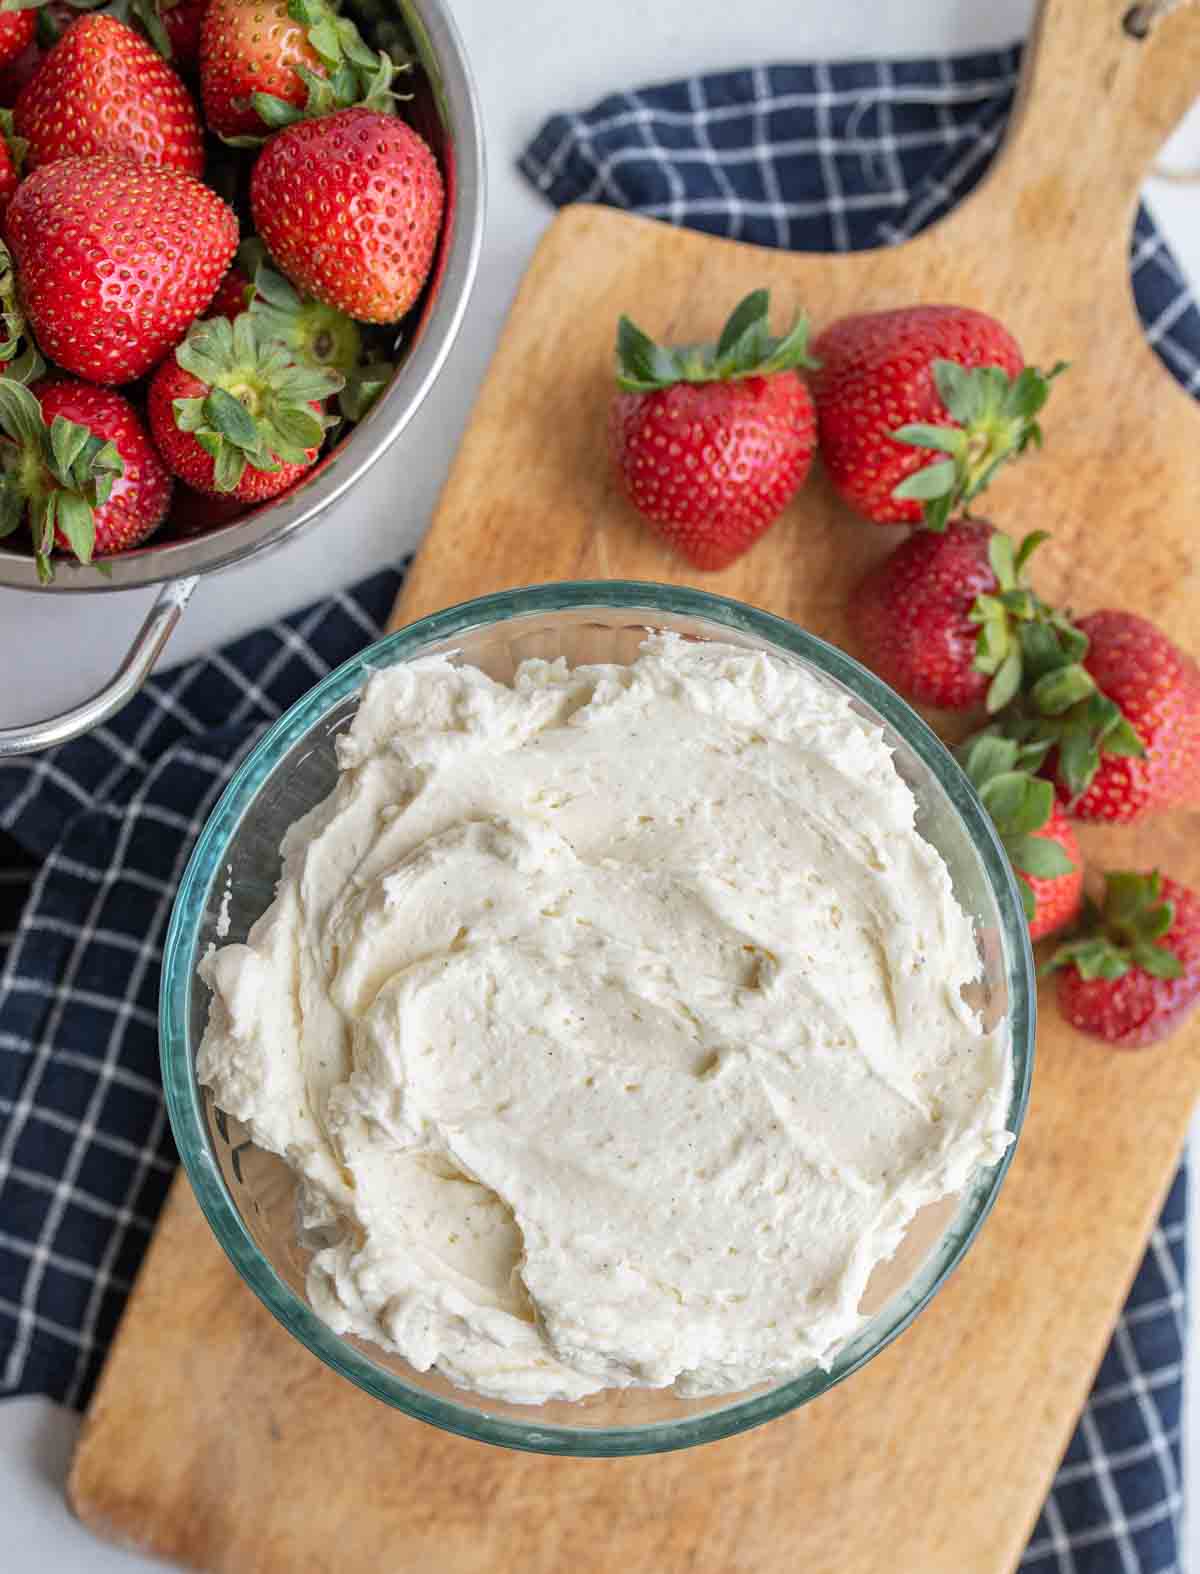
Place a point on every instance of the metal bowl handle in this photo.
(120, 688)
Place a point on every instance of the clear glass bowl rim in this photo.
(183, 1095)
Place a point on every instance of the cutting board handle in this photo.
(1094, 106)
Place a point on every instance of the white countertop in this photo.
(530, 57)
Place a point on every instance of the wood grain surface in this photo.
(216, 1441)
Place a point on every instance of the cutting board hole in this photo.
(1140, 19)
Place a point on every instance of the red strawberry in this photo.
(103, 90)
(14, 76)
(248, 47)
(711, 442)
(181, 22)
(1056, 898)
(115, 260)
(350, 208)
(48, 22)
(232, 414)
(945, 618)
(196, 513)
(1134, 976)
(17, 29)
(267, 63)
(1036, 835)
(80, 468)
(918, 407)
(233, 297)
(1120, 705)
(12, 158)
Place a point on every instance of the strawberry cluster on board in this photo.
(1093, 718)
(233, 261)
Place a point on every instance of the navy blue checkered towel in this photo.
(94, 836)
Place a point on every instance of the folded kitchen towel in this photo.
(841, 157)
(94, 836)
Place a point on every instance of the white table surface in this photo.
(530, 57)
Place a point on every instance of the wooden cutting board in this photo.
(216, 1441)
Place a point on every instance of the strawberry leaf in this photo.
(1062, 688)
(231, 419)
(993, 645)
(1156, 961)
(1002, 559)
(788, 352)
(1125, 894)
(77, 522)
(1129, 931)
(274, 289)
(276, 451)
(934, 481)
(364, 384)
(1040, 651)
(1093, 956)
(987, 755)
(145, 15)
(67, 442)
(1029, 545)
(1021, 603)
(300, 384)
(1123, 739)
(1035, 809)
(1038, 856)
(302, 428)
(1007, 681)
(229, 465)
(189, 414)
(353, 47)
(949, 439)
(746, 329)
(193, 356)
(12, 505)
(1078, 760)
(274, 112)
(1003, 797)
(20, 414)
(104, 464)
(323, 36)
(937, 513)
(956, 390)
(642, 365)
(43, 512)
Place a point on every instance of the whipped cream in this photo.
(613, 1022)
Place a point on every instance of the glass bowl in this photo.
(249, 1196)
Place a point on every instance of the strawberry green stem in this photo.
(1127, 931)
(992, 419)
(746, 348)
(1060, 706)
(353, 74)
(257, 408)
(19, 356)
(54, 476)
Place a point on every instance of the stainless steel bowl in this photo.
(445, 109)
